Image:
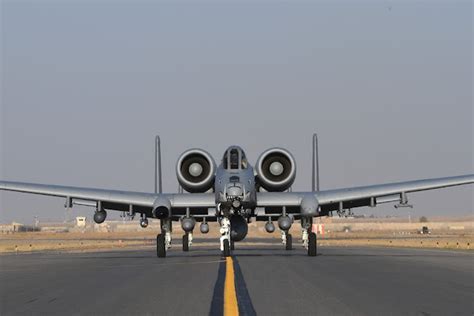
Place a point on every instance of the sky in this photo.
(86, 85)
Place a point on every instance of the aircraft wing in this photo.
(345, 198)
(113, 199)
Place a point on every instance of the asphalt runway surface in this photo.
(256, 280)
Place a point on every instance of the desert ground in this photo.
(456, 233)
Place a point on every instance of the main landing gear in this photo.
(287, 240)
(312, 245)
(160, 246)
(187, 241)
(163, 240)
(308, 237)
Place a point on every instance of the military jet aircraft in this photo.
(233, 194)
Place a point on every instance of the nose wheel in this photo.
(225, 237)
(226, 251)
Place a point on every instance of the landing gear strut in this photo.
(287, 240)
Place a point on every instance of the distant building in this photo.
(81, 221)
(15, 227)
(10, 228)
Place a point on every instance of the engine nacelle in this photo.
(238, 228)
(196, 170)
(276, 169)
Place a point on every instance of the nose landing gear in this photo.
(225, 237)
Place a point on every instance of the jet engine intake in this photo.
(196, 170)
(276, 169)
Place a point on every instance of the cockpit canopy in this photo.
(234, 159)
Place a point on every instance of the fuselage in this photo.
(234, 185)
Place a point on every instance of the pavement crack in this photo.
(31, 301)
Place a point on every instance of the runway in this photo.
(262, 280)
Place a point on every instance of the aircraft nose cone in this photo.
(195, 169)
(276, 168)
(234, 191)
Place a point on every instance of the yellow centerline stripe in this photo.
(230, 296)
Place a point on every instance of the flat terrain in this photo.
(98, 241)
(268, 281)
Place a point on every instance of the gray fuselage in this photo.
(235, 186)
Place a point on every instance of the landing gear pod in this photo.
(161, 208)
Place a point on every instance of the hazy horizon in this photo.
(87, 85)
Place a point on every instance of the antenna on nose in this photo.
(315, 175)
(158, 183)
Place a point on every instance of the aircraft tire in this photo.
(185, 242)
(226, 252)
(312, 245)
(160, 246)
(289, 242)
